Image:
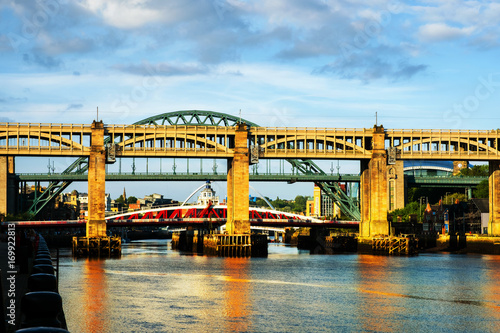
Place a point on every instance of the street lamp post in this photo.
(420, 210)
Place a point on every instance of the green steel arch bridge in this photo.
(304, 167)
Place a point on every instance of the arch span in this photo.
(201, 118)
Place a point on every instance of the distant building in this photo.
(468, 217)
(116, 207)
(83, 198)
(479, 213)
(321, 205)
(310, 206)
(207, 196)
(433, 168)
(107, 202)
(155, 200)
(66, 207)
(148, 202)
(136, 206)
(435, 218)
(69, 199)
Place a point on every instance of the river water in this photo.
(154, 289)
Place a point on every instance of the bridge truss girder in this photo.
(332, 189)
(203, 118)
(80, 165)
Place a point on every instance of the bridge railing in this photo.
(107, 214)
(208, 173)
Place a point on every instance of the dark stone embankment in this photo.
(30, 296)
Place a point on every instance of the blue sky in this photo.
(418, 64)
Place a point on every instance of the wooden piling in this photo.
(403, 245)
(97, 246)
(244, 245)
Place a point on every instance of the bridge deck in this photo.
(263, 177)
(183, 223)
(217, 141)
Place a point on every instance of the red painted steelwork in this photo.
(189, 215)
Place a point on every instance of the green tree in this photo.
(300, 203)
(415, 193)
(131, 200)
(482, 190)
(261, 202)
(120, 200)
(279, 203)
(475, 171)
(411, 208)
(451, 198)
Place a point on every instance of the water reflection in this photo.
(152, 290)
(374, 286)
(492, 289)
(95, 296)
(237, 289)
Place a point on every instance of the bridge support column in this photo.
(397, 185)
(96, 242)
(96, 224)
(238, 242)
(238, 185)
(374, 194)
(8, 188)
(494, 182)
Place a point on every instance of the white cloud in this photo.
(124, 14)
(460, 12)
(437, 32)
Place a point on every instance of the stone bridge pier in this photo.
(96, 224)
(238, 241)
(494, 199)
(238, 184)
(8, 187)
(96, 242)
(374, 189)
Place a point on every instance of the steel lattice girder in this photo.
(202, 118)
(194, 117)
(191, 117)
(332, 189)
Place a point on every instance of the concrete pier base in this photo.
(341, 243)
(244, 245)
(97, 246)
(322, 241)
(468, 243)
(188, 241)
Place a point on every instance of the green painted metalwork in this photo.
(331, 188)
(195, 118)
(187, 176)
(201, 118)
(80, 166)
(442, 181)
(413, 181)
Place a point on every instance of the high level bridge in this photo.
(199, 134)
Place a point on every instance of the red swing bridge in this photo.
(196, 216)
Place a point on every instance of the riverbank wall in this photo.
(29, 285)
